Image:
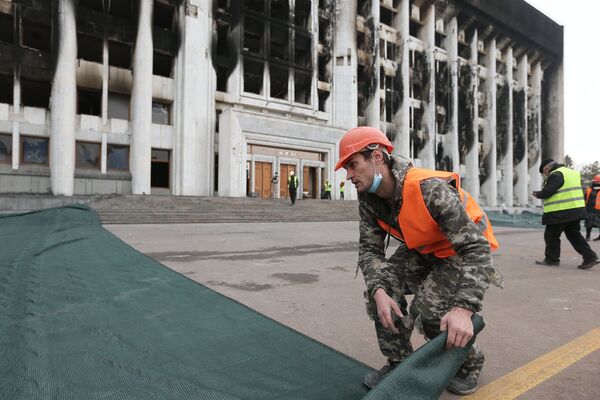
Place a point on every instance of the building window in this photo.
(118, 106)
(89, 102)
(6, 89)
(6, 28)
(163, 16)
(5, 149)
(89, 48)
(34, 150)
(117, 157)
(119, 54)
(93, 4)
(36, 36)
(161, 113)
(35, 93)
(162, 64)
(253, 75)
(87, 155)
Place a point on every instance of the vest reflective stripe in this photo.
(418, 229)
(588, 192)
(569, 196)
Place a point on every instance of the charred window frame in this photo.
(5, 149)
(163, 16)
(87, 155)
(119, 54)
(280, 10)
(121, 8)
(35, 93)
(161, 112)
(6, 89)
(279, 81)
(302, 14)
(254, 6)
(117, 157)
(36, 35)
(279, 43)
(118, 106)
(89, 102)
(90, 48)
(302, 50)
(96, 5)
(7, 33)
(302, 86)
(253, 75)
(254, 36)
(34, 150)
(162, 64)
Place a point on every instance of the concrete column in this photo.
(344, 89)
(63, 104)
(105, 69)
(471, 178)
(194, 144)
(141, 102)
(506, 185)
(16, 154)
(553, 113)
(401, 118)
(451, 142)
(232, 157)
(373, 101)
(535, 129)
(520, 134)
(427, 35)
(489, 186)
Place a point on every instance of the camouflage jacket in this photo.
(473, 251)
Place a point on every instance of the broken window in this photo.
(89, 48)
(302, 50)
(386, 16)
(280, 42)
(162, 64)
(279, 81)
(34, 150)
(253, 75)
(121, 8)
(35, 93)
(117, 157)
(87, 155)
(302, 14)
(118, 106)
(89, 102)
(302, 86)
(36, 35)
(163, 16)
(119, 54)
(280, 9)
(5, 149)
(97, 5)
(6, 28)
(161, 113)
(253, 35)
(6, 89)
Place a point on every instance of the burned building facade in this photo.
(216, 97)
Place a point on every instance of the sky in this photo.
(582, 74)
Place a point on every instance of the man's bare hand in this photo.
(385, 306)
(458, 323)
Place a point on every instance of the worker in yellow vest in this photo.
(564, 208)
(327, 190)
(342, 189)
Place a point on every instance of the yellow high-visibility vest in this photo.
(569, 195)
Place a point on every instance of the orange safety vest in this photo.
(588, 191)
(419, 230)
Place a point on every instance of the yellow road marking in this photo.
(535, 372)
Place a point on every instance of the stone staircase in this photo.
(180, 210)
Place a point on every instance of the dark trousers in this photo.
(293, 195)
(573, 234)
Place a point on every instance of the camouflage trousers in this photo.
(433, 283)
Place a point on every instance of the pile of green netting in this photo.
(84, 316)
(526, 219)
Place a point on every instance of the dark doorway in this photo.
(160, 169)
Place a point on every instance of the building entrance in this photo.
(309, 183)
(263, 173)
(284, 174)
(160, 170)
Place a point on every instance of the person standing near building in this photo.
(327, 190)
(592, 207)
(444, 256)
(342, 189)
(293, 186)
(564, 208)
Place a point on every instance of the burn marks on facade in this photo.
(502, 120)
(466, 111)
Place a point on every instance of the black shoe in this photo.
(548, 263)
(587, 238)
(374, 377)
(589, 263)
(463, 386)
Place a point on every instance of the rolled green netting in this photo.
(84, 316)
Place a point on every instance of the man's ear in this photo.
(377, 155)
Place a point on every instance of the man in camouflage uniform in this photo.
(447, 290)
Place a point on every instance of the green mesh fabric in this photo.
(84, 316)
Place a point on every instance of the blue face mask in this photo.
(376, 182)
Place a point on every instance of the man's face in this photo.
(360, 172)
(546, 169)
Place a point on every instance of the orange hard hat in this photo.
(596, 179)
(356, 139)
